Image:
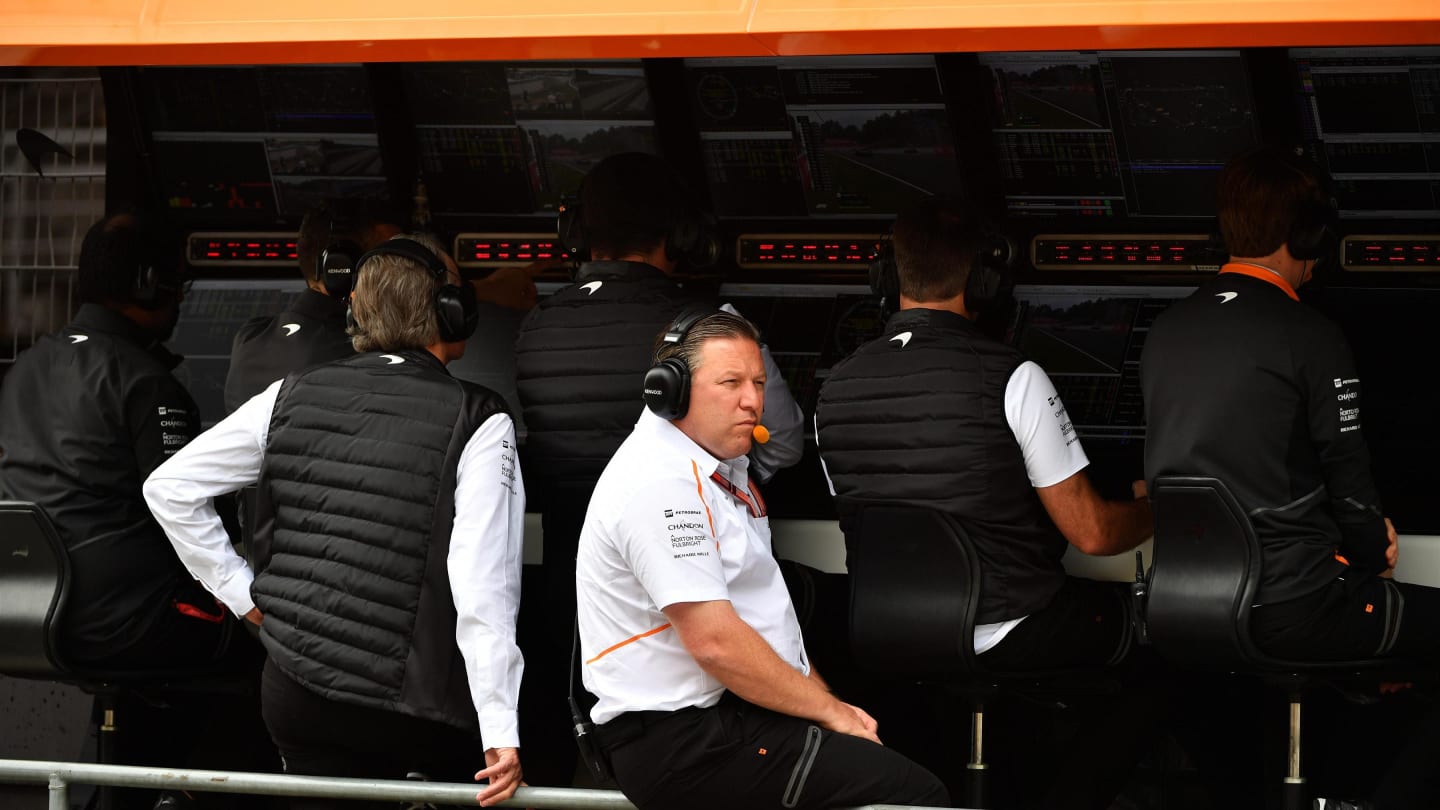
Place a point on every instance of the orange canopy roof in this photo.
(136, 32)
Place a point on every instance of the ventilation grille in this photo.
(44, 213)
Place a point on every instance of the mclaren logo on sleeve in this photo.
(903, 337)
(592, 286)
(78, 339)
(1227, 297)
(290, 328)
(393, 358)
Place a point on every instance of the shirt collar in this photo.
(1262, 274)
(735, 470)
(926, 316)
(608, 270)
(97, 318)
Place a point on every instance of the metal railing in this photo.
(58, 776)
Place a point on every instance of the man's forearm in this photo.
(730, 651)
(1130, 524)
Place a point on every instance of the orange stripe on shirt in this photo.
(630, 640)
(699, 488)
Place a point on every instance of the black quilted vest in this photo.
(355, 508)
(580, 361)
(918, 417)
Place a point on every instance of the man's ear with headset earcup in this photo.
(667, 388)
(667, 383)
(337, 268)
(457, 312)
(885, 276)
(990, 280)
(146, 289)
(693, 238)
(1312, 237)
(570, 230)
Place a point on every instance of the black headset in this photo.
(1312, 234)
(570, 228)
(335, 267)
(152, 278)
(146, 290)
(692, 236)
(456, 311)
(988, 283)
(667, 383)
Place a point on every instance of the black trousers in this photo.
(1356, 617)
(1082, 626)
(191, 631)
(321, 737)
(736, 754)
(545, 631)
(1088, 751)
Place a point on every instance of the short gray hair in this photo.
(394, 301)
(716, 326)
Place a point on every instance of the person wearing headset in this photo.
(85, 414)
(388, 542)
(1244, 383)
(1003, 459)
(311, 330)
(579, 357)
(980, 433)
(688, 637)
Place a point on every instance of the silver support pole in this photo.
(1292, 773)
(59, 793)
(977, 741)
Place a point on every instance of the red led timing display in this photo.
(806, 251)
(505, 249)
(242, 249)
(1123, 252)
(1408, 253)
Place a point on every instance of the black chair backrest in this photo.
(34, 577)
(1204, 577)
(914, 592)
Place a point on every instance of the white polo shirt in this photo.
(660, 530)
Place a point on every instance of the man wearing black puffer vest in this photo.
(388, 541)
(580, 359)
(935, 413)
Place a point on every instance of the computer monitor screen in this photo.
(515, 138)
(1117, 133)
(1088, 339)
(236, 145)
(1372, 119)
(214, 310)
(839, 136)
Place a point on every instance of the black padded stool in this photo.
(1203, 581)
(34, 586)
(914, 595)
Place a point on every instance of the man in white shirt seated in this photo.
(935, 413)
(388, 541)
(688, 637)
